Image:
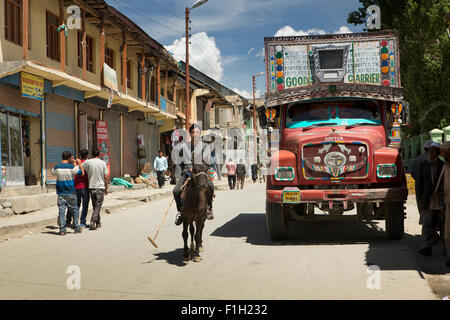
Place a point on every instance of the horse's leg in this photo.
(200, 246)
(192, 231)
(197, 257)
(186, 254)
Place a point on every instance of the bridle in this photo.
(197, 175)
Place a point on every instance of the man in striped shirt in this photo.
(65, 173)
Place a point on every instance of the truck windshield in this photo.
(301, 115)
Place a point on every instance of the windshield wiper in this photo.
(319, 125)
(362, 124)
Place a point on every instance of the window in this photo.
(129, 74)
(52, 37)
(109, 57)
(340, 113)
(89, 52)
(13, 21)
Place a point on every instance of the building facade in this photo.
(61, 85)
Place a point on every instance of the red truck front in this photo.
(338, 103)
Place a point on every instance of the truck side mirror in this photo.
(405, 113)
(262, 118)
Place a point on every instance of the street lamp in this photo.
(254, 113)
(188, 100)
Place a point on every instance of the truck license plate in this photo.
(291, 196)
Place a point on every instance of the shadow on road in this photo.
(174, 257)
(385, 253)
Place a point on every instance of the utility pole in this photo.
(254, 115)
(188, 100)
(254, 121)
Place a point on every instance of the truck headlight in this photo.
(284, 174)
(386, 171)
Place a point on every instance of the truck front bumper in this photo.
(319, 196)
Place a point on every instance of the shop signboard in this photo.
(32, 86)
(110, 78)
(103, 143)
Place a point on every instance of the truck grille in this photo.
(334, 160)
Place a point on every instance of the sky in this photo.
(227, 36)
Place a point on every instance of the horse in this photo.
(195, 203)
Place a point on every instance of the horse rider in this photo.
(200, 154)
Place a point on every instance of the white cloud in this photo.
(251, 50)
(203, 54)
(343, 29)
(288, 31)
(246, 94)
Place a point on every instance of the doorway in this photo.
(13, 174)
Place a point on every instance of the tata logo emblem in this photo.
(333, 136)
(335, 160)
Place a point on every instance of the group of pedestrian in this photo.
(236, 174)
(432, 186)
(77, 182)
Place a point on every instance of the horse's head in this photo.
(200, 177)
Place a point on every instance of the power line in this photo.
(164, 23)
(227, 73)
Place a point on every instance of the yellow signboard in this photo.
(32, 86)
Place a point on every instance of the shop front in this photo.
(20, 127)
(60, 130)
(88, 115)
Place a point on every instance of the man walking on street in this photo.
(231, 169)
(426, 184)
(443, 186)
(241, 171)
(254, 168)
(65, 173)
(160, 166)
(98, 186)
(82, 189)
(415, 171)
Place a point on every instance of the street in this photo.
(319, 261)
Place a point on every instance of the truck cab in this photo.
(338, 114)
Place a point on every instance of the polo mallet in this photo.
(162, 222)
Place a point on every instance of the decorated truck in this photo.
(335, 104)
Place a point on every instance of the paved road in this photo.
(320, 261)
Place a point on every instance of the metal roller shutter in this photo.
(113, 120)
(60, 131)
(130, 150)
(12, 98)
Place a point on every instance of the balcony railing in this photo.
(168, 106)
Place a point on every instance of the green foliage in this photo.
(425, 56)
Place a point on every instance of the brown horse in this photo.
(195, 203)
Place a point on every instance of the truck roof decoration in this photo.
(353, 65)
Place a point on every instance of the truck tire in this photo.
(277, 224)
(395, 220)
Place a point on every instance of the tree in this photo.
(424, 54)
